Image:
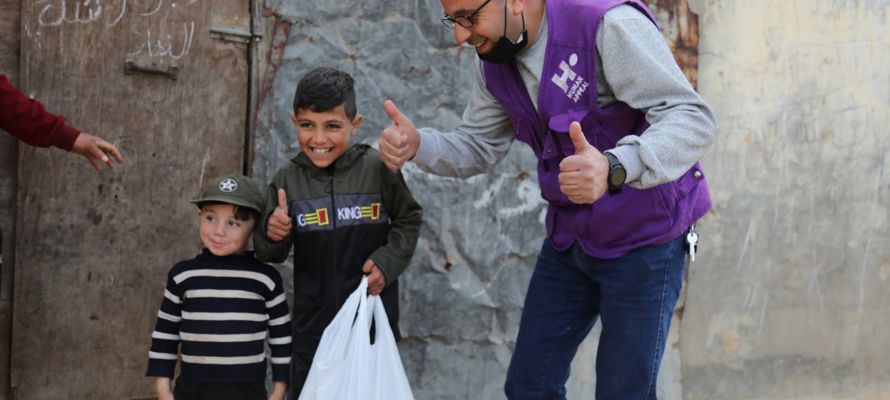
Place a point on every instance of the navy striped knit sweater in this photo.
(216, 315)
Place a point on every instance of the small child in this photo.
(344, 212)
(219, 306)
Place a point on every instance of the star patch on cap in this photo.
(228, 185)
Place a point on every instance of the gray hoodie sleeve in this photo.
(479, 142)
(640, 70)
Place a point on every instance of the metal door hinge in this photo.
(233, 33)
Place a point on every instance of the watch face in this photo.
(617, 177)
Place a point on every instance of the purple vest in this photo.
(614, 224)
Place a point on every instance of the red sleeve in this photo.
(29, 122)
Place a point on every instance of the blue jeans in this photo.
(634, 297)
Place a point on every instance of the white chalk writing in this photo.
(158, 47)
(169, 34)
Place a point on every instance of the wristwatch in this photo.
(617, 174)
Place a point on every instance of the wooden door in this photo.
(166, 81)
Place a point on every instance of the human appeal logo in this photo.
(228, 185)
(570, 82)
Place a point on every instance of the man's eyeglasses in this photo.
(465, 21)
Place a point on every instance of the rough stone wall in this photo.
(790, 297)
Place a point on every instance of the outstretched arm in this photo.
(480, 141)
(27, 120)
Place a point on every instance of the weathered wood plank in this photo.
(10, 24)
(93, 250)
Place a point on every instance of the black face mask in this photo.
(505, 50)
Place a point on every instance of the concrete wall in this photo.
(789, 299)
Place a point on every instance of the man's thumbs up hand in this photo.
(280, 221)
(578, 138)
(582, 176)
(394, 114)
(399, 141)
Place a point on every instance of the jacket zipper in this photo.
(336, 263)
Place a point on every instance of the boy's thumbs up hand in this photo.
(582, 176)
(279, 222)
(400, 140)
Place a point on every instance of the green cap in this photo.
(233, 189)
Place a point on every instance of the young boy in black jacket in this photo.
(344, 212)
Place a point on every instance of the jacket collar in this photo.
(344, 162)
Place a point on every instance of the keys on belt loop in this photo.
(692, 242)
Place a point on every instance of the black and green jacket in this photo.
(354, 210)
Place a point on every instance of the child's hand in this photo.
(376, 281)
(279, 221)
(162, 386)
(279, 389)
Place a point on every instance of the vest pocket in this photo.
(629, 218)
(548, 180)
(558, 144)
(524, 133)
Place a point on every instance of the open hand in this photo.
(96, 150)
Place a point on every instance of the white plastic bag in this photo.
(346, 366)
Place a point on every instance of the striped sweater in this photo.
(215, 317)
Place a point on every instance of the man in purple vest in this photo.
(618, 131)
